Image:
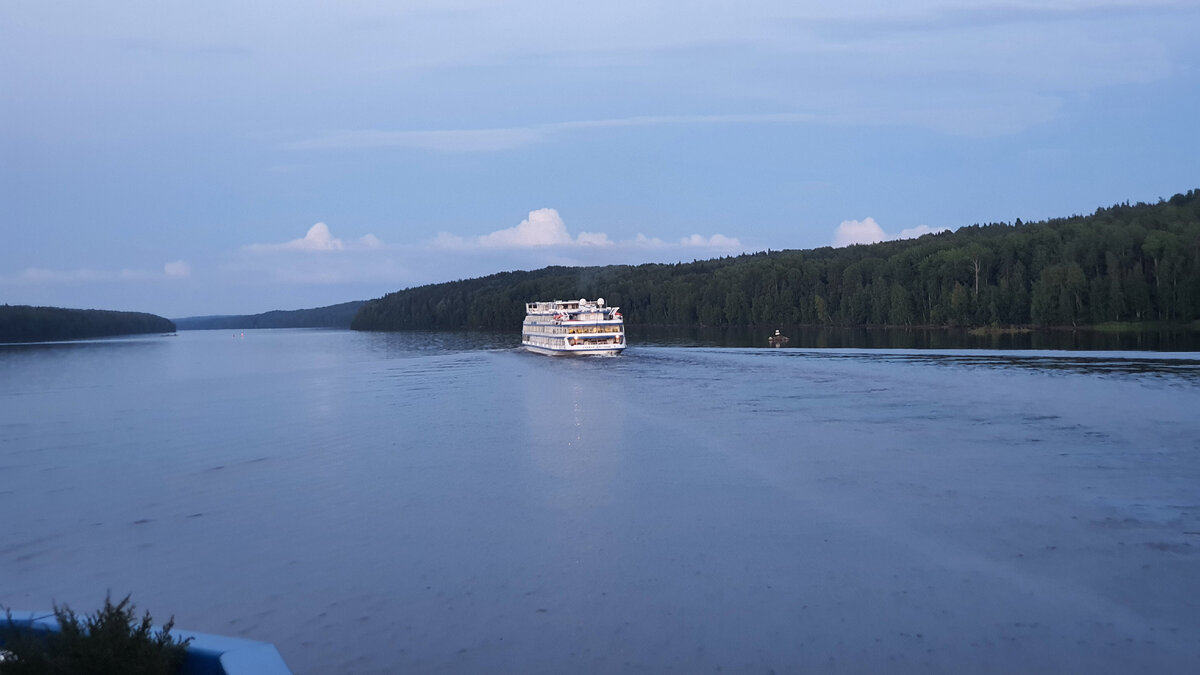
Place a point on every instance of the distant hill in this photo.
(1125, 263)
(332, 316)
(22, 323)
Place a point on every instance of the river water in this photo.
(379, 503)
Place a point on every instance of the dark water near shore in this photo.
(425, 502)
(825, 337)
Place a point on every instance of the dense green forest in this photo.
(332, 316)
(22, 323)
(1127, 262)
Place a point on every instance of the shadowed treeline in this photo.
(22, 323)
(332, 316)
(1126, 263)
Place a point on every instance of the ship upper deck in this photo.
(572, 307)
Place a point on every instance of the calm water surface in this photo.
(378, 503)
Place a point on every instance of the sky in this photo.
(230, 157)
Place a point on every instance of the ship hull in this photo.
(610, 350)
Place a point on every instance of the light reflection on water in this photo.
(432, 502)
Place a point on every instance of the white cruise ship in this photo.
(573, 327)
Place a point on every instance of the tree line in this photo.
(1124, 263)
(330, 316)
(22, 323)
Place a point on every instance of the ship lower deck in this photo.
(575, 350)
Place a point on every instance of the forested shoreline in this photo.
(331, 316)
(1124, 263)
(23, 323)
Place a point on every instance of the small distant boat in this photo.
(778, 339)
(573, 328)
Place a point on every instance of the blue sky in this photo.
(232, 157)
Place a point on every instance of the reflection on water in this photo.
(416, 343)
(819, 337)
(575, 428)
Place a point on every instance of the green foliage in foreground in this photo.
(22, 323)
(1124, 263)
(110, 642)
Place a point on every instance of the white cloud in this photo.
(447, 240)
(318, 238)
(38, 275)
(177, 270)
(593, 239)
(716, 241)
(544, 228)
(642, 241)
(319, 259)
(918, 231)
(867, 231)
(42, 275)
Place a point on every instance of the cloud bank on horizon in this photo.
(318, 238)
(177, 269)
(321, 258)
(544, 228)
